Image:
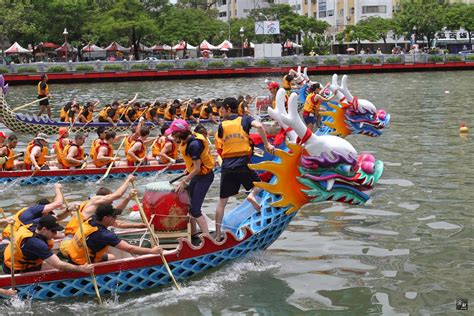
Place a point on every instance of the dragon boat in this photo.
(311, 168)
(30, 177)
(32, 124)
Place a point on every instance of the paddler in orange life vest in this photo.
(110, 114)
(133, 113)
(236, 151)
(3, 222)
(73, 154)
(99, 239)
(195, 150)
(64, 109)
(31, 214)
(73, 113)
(136, 154)
(43, 92)
(61, 142)
(312, 105)
(165, 149)
(33, 245)
(36, 153)
(86, 115)
(7, 154)
(104, 152)
(87, 210)
(187, 113)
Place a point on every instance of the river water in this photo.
(408, 251)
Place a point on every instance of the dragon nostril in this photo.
(381, 114)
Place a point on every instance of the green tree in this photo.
(358, 33)
(379, 26)
(459, 16)
(424, 17)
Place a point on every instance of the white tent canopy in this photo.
(205, 45)
(180, 46)
(90, 48)
(225, 45)
(17, 49)
(114, 47)
(160, 47)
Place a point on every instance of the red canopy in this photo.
(46, 45)
(181, 44)
(160, 48)
(66, 47)
(17, 49)
(116, 47)
(206, 46)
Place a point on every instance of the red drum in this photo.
(164, 208)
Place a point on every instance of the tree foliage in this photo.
(459, 16)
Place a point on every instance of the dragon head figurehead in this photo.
(346, 114)
(3, 86)
(316, 168)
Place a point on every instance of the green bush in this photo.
(331, 61)
(435, 59)
(113, 67)
(216, 64)
(470, 58)
(57, 69)
(372, 60)
(239, 64)
(393, 60)
(310, 62)
(164, 66)
(85, 68)
(453, 58)
(286, 62)
(26, 69)
(354, 61)
(263, 63)
(3, 70)
(140, 66)
(192, 65)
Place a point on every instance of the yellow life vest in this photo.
(241, 108)
(167, 113)
(110, 153)
(207, 161)
(88, 117)
(140, 153)
(77, 253)
(103, 114)
(41, 159)
(286, 85)
(10, 162)
(197, 110)
(58, 150)
(202, 113)
(127, 144)
(21, 263)
(79, 155)
(62, 114)
(184, 112)
(70, 119)
(43, 92)
(161, 111)
(73, 225)
(235, 141)
(16, 225)
(310, 106)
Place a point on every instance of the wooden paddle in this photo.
(12, 250)
(112, 162)
(84, 244)
(28, 104)
(154, 237)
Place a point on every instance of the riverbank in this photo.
(98, 71)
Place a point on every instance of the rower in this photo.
(73, 154)
(205, 111)
(33, 246)
(99, 239)
(132, 114)
(88, 208)
(151, 114)
(36, 153)
(31, 214)
(86, 115)
(197, 105)
(165, 150)
(64, 110)
(199, 162)
(233, 134)
(73, 113)
(110, 113)
(60, 143)
(101, 132)
(187, 111)
(160, 113)
(136, 154)
(8, 156)
(287, 83)
(3, 223)
(104, 152)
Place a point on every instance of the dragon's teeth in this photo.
(329, 184)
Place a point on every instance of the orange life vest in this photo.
(10, 163)
(158, 147)
(73, 225)
(110, 153)
(140, 153)
(40, 159)
(16, 225)
(78, 156)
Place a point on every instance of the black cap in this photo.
(105, 210)
(231, 103)
(49, 221)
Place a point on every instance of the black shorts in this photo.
(43, 102)
(232, 179)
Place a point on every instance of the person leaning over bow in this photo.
(73, 154)
(33, 246)
(31, 214)
(36, 153)
(194, 149)
(312, 105)
(99, 239)
(236, 151)
(43, 92)
(8, 156)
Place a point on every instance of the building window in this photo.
(222, 14)
(341, 12)
(314, 15)
(330, 12)
(322, 14)
(222, 2)
(374, 9)
(306, 2)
